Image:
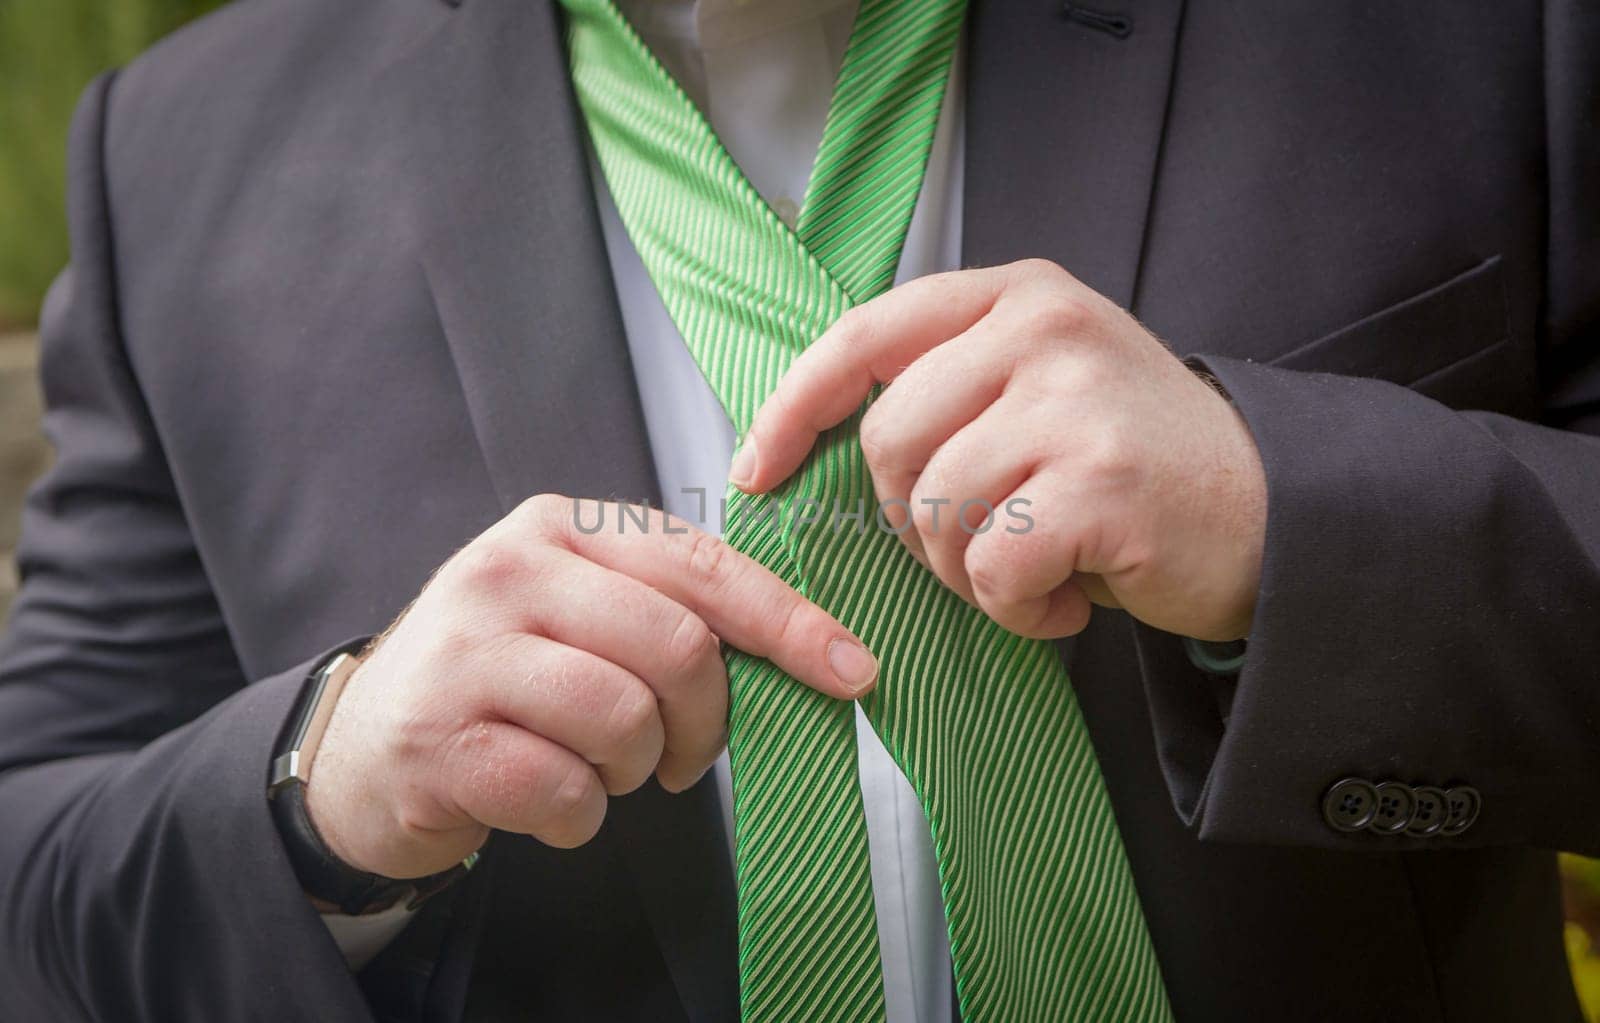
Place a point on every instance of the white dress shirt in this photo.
(763, 71)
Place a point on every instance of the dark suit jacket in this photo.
(338, 300)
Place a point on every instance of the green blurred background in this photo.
(49, 49)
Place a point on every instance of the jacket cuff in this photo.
(173, 848)
(1378, 653)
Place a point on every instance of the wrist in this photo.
(1242, 498)
(332, 882)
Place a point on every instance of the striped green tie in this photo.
(1044, 920)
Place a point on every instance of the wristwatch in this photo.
(322, 874)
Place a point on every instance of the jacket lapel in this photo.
(688, 891)
(513, 254)
(512, 250)
(1068, 115)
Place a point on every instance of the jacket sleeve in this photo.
(1429, 610)
(141, 877)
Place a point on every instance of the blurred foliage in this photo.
(49, 50)
(1580, 881)
(1585, 962)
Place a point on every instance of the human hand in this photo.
(1018, 382)
(545, 667)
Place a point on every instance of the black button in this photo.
(1396, 804)
(1462, 804)
(1350, 805)
(1429, 815)
(1215, 658)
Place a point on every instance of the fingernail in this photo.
(743, 469)
(856, 668)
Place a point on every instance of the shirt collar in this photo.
(713, 23)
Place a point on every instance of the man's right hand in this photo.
(542, 669)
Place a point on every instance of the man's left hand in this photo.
(1143, 483)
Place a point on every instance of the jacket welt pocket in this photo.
(1419, 342)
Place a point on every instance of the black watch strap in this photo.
(324, 876)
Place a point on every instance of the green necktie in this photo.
(1044, 920)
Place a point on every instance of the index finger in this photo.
(741, 601)
(869, 345)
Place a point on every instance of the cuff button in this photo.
(1350, 805)
(1429, 815)
(1396, 804)
(1462, 804)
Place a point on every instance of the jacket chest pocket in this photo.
(1451, 342)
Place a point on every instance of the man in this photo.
(348, 292)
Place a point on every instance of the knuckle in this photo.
(931, 514)
(677, 771)
(1110, 460)
(1022, 618)
(557, 671)
(1039, 268)
(853, 327)
(469, 747)
(877, 441)
(1056, 317)
(571, 796)
(632, 719)
(537, 508)
(792, 622)
(991, 573)
(706, 557)
(1086, 371)
(466, 766)
(493, 566)
(545, 514)
(690, 646)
